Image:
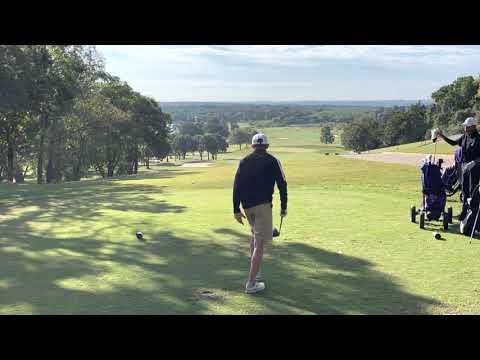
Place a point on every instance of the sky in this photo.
(245, 73)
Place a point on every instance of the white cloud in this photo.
(270, 72)
(393, 55)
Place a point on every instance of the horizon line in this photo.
(290, 101)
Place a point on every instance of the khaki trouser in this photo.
(260, 220)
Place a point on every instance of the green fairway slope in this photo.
(347, 246)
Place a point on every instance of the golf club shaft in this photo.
(435, 152)
(281, 222)
(474, 225)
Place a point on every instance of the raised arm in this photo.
(450, 141)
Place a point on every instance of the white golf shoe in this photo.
(257, 287)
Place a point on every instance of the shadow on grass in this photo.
(85, 200)
(309, 279)
(300, 278)
(94, 274)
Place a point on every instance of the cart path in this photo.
(401, 158)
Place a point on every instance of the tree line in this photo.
(62, 114)
(213, 136)
(264, 115)
(452, 104)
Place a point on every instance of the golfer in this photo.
(253, 188)
(470, 143)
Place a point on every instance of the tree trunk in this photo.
(51, 164)
(77, 166)
(76, 172)
(41, 149)
(201, 156)
(135, 160)
(135, 166)
(147, 163)
(208, 155)
(11, 168)
(50, 170)
(110, 169)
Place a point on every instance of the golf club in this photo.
(434, 139)
(474, 225)
(276, 233)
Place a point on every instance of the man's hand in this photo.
(239, 216)
(468, 166)
(283, 213)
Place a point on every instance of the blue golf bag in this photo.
(433, 190)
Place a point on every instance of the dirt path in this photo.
(400, 158)
(196, 163)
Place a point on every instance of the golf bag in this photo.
(469, 213)
(433, 189)
(452, 176)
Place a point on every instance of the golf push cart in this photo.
(436, 187)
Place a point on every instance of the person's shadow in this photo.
(301, 278)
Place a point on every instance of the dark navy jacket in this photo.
(255, 180)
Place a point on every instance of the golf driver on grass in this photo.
(253, 188)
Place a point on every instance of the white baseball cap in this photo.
(259, 139)
(470, 121)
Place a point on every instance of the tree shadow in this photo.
(337, 283)
(86, 200)
(94, 273)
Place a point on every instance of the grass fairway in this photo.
(347, 246)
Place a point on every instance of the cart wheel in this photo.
(413, 213)
(422, 220)
(445, 220)
(450, 215)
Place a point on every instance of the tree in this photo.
(62, 73)
(222, 144)
(107, 140)
(326, 135)
(192, 128)
(181, 145)
(15, 92)
(361, 135)
(248, 133)
(211, 145)
(215, 126)
(60, 109)
(454, 100)
(236, 137)
(242, 136)
(199, 145)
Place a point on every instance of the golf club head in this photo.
(275, 233)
